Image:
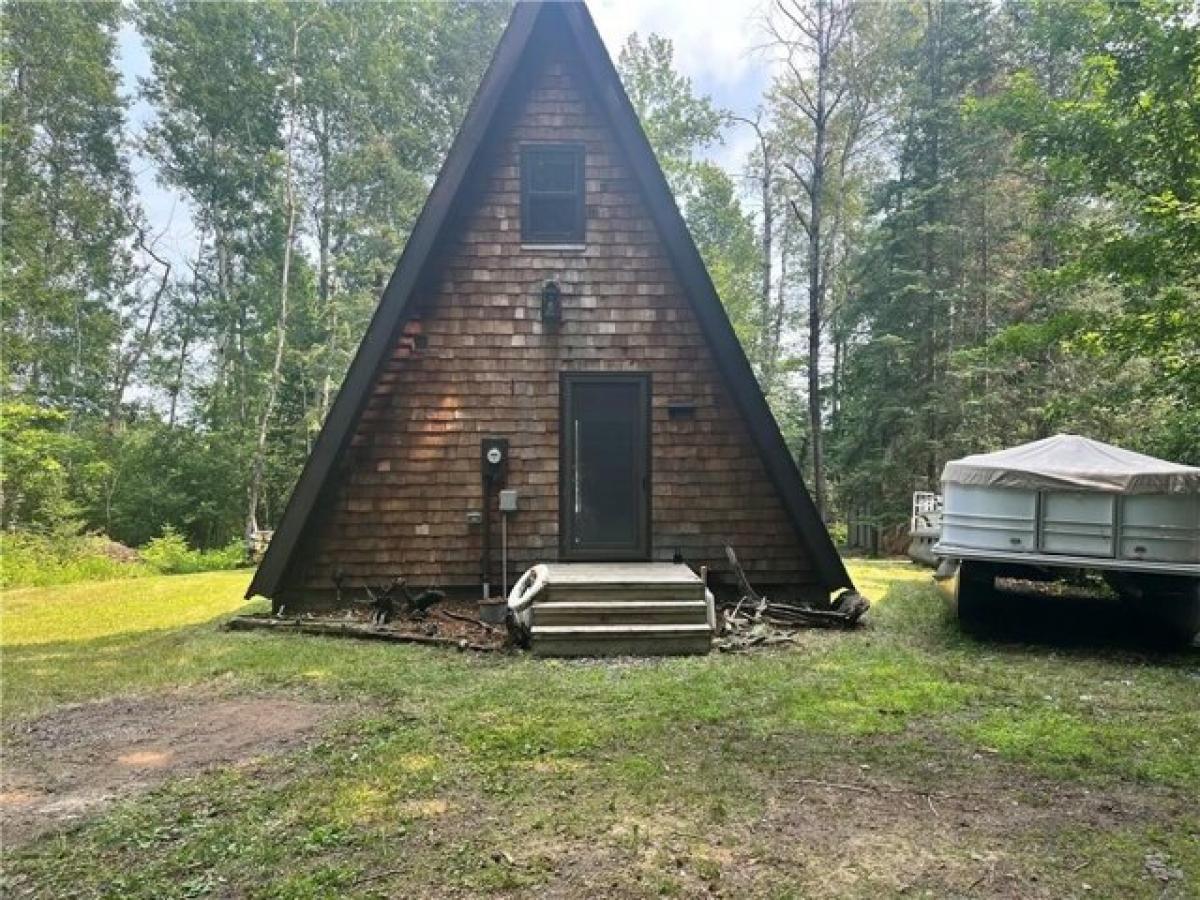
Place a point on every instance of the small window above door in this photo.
(552, 202)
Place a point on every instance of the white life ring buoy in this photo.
(528, 586)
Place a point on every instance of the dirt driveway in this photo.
(70, 764)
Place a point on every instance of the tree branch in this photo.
(804, 182)
(807, 27)
(801, 217)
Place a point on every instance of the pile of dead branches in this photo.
(754, 620)
(844, 613)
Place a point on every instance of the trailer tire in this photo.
(975, 594)
(1174, 606)
(1165, 607)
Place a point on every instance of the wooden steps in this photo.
(621, 612)
(622, 640)
(619, 609)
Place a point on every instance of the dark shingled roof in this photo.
(532, 24)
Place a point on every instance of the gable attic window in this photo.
(552, 203)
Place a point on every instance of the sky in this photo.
(716, 45)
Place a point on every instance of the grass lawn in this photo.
(900, 759)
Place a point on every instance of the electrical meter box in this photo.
(494, 453)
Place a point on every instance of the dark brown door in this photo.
(604, 490)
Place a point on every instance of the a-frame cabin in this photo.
(550, 301)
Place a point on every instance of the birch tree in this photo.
(823, 105)
(258, 461)
(68, 211)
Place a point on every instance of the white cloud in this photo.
(718, 45)
(715, 42)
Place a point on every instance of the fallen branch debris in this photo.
(755, 620)
(478, 623)
(362, 631)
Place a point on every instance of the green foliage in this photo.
(169, 554)
(677, 121)
(35, 478)
(30, 559)
(838, 533)
(679, 125)
(130, 484)
(940, 266)
(725, 236)
(1034, 265)
(66, 187)
(1162, 337)
(158, 477)
(132, 400)
(1123, 126)
(1014, 249)
(1121, 135)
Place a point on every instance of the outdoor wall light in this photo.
(551, 303)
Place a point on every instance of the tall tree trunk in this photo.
(222, 389)
(258, 464)
(324, 287)
(767, 361)
(763, 353)
(814, 381)
(243, 363)
(127, 364)
(816, 280)
(935, 12)
(775, 335)
(820, 39)
(185, 339)
(835, 381)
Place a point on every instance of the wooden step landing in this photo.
(610, 609)
(624, 582)
(621, 573)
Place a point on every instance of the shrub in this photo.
(169, 554)
(839, 533)
(33, 559)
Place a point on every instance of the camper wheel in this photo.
(976, 593)
(1173, 607)
(1168, 605)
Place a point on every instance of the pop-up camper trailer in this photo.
(1070, 504)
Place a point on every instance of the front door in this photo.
(604, 488)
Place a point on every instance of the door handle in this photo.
(575, 468)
